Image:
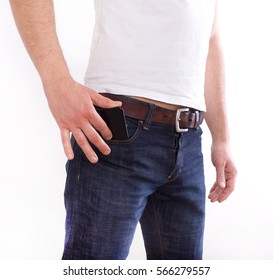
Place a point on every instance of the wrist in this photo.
(53, 69)
(58, 86)
(220, 134)
(220, 148)
(222, 144)
(55, 78)
(220, 141)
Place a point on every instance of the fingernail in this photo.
(94, 159)
(70, 156)
(108, 137)
(107, 152)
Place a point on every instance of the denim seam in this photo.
(172, 174)
(158, 230)
(75, 201)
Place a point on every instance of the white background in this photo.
(32, 170)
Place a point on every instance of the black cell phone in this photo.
(115, 120)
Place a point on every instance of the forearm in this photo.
(71, 103)
(215, 93)
(36, 24)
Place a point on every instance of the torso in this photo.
(158, 103)
(152, 50)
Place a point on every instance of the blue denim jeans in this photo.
(155, 178)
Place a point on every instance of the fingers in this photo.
(216, 192)
(104, 102)
(73, 108)
(219, 185)
(85, 146)
(93, 116)
(65, 136)
(220, 194)
(99, 124)
(224, 185)
(220, 176)
(83, 137)
(93, 137)
(228, 190)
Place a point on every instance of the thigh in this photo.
(173, 220)
(103, 204)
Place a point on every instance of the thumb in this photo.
(104, 102)
(220, 176)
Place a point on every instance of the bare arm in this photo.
(217, 120)
(71, 103)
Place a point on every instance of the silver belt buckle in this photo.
(197, 119)
(177, 125)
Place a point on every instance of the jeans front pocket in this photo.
(134, 128)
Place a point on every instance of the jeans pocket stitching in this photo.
(132, 138)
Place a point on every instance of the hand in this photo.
(72, 105)
(225, 173)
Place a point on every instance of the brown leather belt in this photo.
(183, 119)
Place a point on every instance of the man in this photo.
(161, 61)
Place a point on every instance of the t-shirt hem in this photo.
(162, 97)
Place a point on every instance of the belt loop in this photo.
(148, 119)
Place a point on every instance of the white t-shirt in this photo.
(151, 48)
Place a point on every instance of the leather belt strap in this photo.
(182, 119)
